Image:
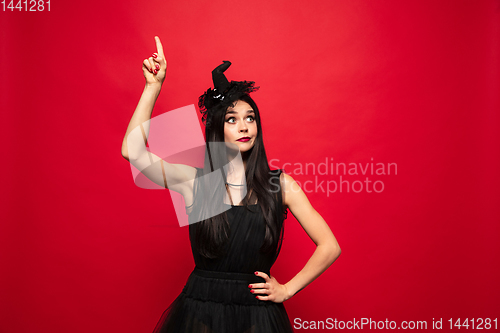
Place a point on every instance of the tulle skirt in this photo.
(221, 302)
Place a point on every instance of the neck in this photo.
(237, 169)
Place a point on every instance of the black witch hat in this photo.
(224, 94)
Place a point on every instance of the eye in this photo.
(231, 120)
(251, 118)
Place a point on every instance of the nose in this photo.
(243, 127)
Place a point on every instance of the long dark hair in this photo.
(212, 233)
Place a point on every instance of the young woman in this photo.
(236, 207)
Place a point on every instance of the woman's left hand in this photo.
(275, 292)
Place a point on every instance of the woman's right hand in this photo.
(155, 67)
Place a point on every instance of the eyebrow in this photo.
(248, 111)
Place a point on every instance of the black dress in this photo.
(216, 297)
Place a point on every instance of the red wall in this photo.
(415, 83)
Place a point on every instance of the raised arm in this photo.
(154, 69)
(177, 177)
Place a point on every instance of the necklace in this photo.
(234, 184)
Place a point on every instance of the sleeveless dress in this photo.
(216, 297)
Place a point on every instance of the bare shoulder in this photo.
(293, 195)
(288, 182)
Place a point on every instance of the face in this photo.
(240, 126)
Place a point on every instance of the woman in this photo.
(236, 207)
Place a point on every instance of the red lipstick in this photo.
(244, 139)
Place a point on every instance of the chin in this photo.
(246, 149)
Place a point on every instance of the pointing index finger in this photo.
(159, 47)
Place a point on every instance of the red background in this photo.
(416, 83)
